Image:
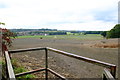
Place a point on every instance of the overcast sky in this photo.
(59, 14)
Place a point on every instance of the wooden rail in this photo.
(9, 67)
(112, 67)
(28, 49)
(106, 73)
(100, 63)
(56, 74)
(29, 72)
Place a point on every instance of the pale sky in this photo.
(59, 14)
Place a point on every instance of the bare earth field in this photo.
(68, 67)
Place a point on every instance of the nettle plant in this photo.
(6, 37)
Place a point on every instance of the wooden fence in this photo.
(108, 74)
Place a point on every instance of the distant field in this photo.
(81, 37)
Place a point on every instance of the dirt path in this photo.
(66, 66)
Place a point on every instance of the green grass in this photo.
(79, 37)
(37, 36)
(17, 69)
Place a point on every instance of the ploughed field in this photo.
(71, 68)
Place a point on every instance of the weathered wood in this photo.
(56, 74)
(100, 63)
(24, 50)
(30, 72)
(9, 67)
(46, 64)
(108, 75)
(113, 71)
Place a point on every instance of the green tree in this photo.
(115, 32)
(104, 33)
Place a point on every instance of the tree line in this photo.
(51, 32)
(113, 33)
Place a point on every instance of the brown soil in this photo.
(68, 67)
